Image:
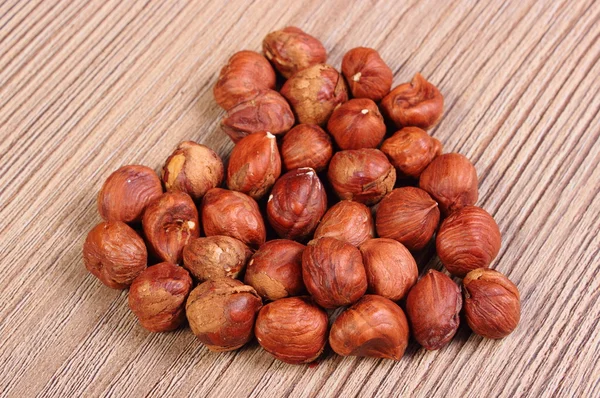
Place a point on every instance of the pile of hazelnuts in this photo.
(355, 256)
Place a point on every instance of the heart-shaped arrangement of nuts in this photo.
(325, 257)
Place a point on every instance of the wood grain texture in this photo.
(88, 86)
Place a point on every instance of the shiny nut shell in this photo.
(215, 256)
(291, 50)
(411, 150)
(348, 221)
(306, 145)
(366, 73)
(357, 124)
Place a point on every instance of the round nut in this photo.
(348, 221)
(357, 124)
(215, 257)
(367, 74)
(411, 150)
(306, 145)
(291, 50)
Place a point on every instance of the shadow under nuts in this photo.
(433, 306)
(357, 124)
(215, 256)
(157, 297)
(306, 145)
(114, 253)
(348, 221)
(373, 327)
(468, 239)
(333, 272)
(492, 303)
(411, 150)
(367, 74)
(170, 222)
(221, 313)
(293, 330)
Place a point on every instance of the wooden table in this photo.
(88, 86)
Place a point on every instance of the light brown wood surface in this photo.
(88, 86)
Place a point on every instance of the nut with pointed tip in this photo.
(433, 306)
(348, 221)
(115, 254)
(254, 165)
(451, 179)
(215, 257)
(407, 215)
(357, 124)
(126, 193)
(291, 50)
(492, 303)
(275, 270)
(468, 239)
(194, 169)
(373, 327)
(233, 214)
(221, 313)
(367, 74)
(170, 222)
(411, 150)
(157, 297)
(363, 175)
(418, 103)
(306, 145)
(296, 204)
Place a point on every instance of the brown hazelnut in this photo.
(492, 303)
(267, 111)
(291, 50)
(314, 93)
(233, 214)
(391, 269)
(432, 306)
(451, 180)
(293, 330)
(408, 215)
(306, 145)
(275, 270)
(193, 169)
(221, 313)
(244, 76)
(373, 327)
(126, 193)
(348, 221)
(418, 103)
(215, 257)
(296, 204)
(411, 150)
(333, 272)
(367, 74)
(170, 222)
(114, 253)
(363, 175)
(357, 124)
(468, 239)
(254, 165)
(157, 297)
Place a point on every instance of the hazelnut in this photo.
(418, 103)
(348, 221)
(193, 169)
(492, 303)
(411, 150)
(391, 269)
(293, 329)
(215, 256)
(306, 145)
(254, 165)
(275, 270)
(296, 204)
(363, 175)
(114, 253)
(408, 215)
(157, 297)
(468, 239)
(314, 93)
(233, 214)
(373, 327)
(221, 313)
(333, 272)
(357, 124)
(291, 50)
(432, 306)
(367, 74)
(126, 193)
(170, 222)
(267, 111)
(451, 180)
(244, 76)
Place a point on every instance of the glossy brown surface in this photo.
(366, 73)
(411, 150)
(306, 145)
(291, 50)
(357, 124)
(215, 257)
(348, 221)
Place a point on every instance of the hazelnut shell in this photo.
(306, 145)
(357, 124)
(348, 221)
(291, 50)
(367, 74)
(411, 150)
(215, 257)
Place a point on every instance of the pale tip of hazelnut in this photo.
(269, 135)
(270, 198)
(191, 224)
(356, 77)
(364, 111)
(251, 262)
(128, 181)
(308, 170)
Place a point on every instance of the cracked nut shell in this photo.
(306, 145)
(348, 221)
(291, 50)
(215, 256)
(367, 74)
(411, 150)
(357, 124)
